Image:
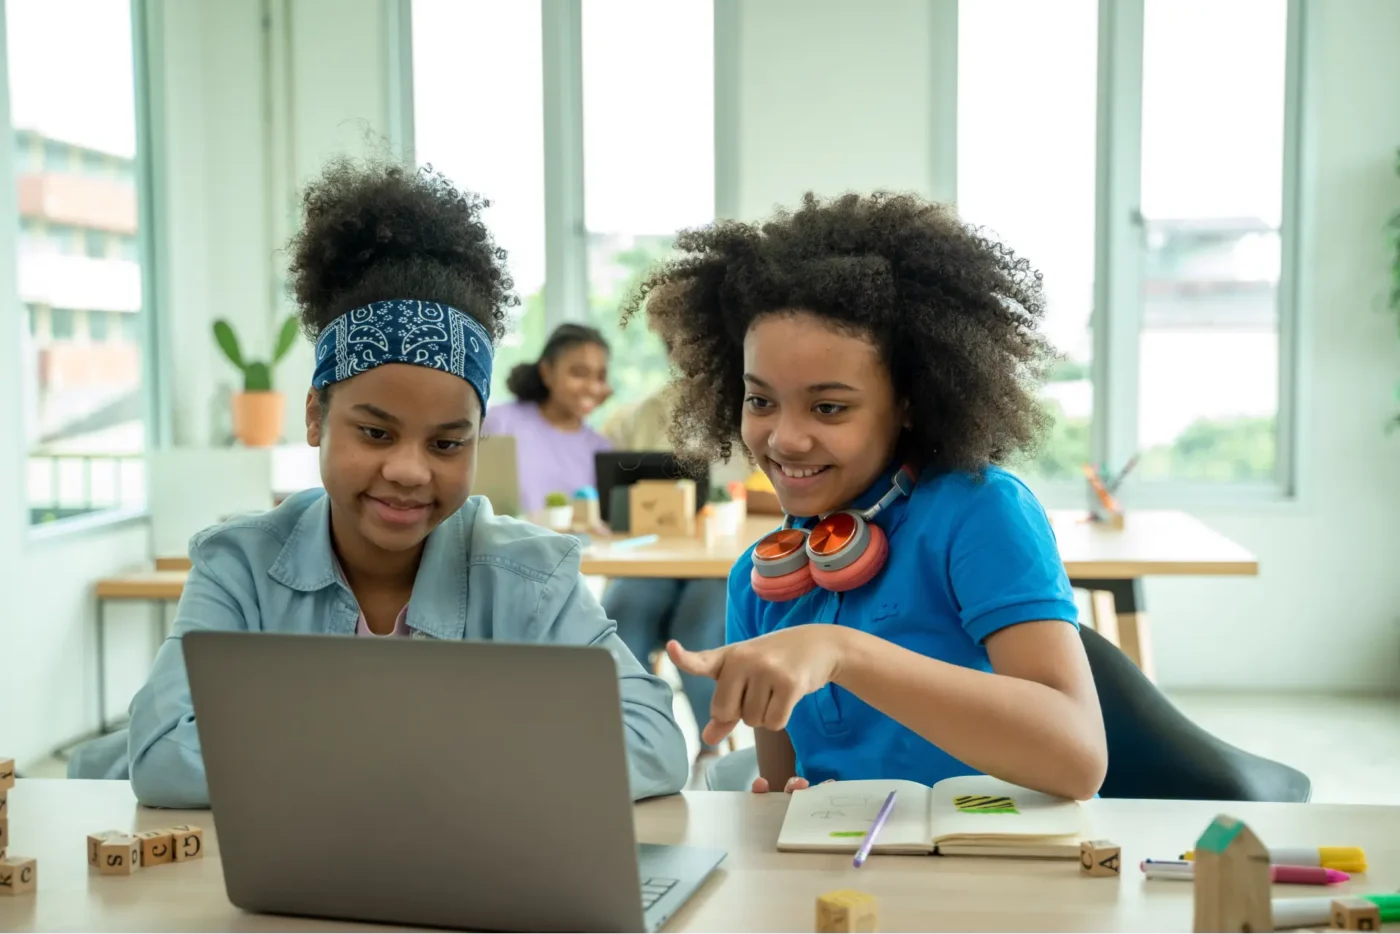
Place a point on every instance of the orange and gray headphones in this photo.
(843, 551)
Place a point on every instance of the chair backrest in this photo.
(1154, 751)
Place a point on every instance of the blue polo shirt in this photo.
(969, 555)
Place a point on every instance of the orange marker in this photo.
(1105, 497)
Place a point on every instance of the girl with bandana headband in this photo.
(401, 286)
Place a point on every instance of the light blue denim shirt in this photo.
(482, 576)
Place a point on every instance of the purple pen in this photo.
(874, 831)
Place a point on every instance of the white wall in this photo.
(834, 96)
(252, 110)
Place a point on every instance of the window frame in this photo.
(1118, 299)
(152, 383)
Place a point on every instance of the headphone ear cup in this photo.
(859, 572)
(787, 587)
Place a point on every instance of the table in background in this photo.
(1109, 563)
(159, 587)
(755, 889)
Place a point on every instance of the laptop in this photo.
(497, 477)
(471, 785)
(618, 469)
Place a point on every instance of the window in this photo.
(640, 185)
(479, 119)
(72, 100)
(1174, 244)
(1027, 111)
(61, 327)
(97, 325)
(1211, 216)
(644, 178)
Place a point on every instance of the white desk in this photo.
(756, 888)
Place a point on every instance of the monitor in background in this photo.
(624, 468)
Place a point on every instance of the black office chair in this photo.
(1154, 751)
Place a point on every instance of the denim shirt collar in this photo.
(438, 604)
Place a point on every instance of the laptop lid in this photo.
(457, 784)
(497, 475)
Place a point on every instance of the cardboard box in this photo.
(661, 507)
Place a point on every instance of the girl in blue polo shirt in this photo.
(912, 619)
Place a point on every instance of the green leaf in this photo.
(228, 342)
(257, 377)
(285, 339)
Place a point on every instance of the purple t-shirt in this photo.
(549, 459)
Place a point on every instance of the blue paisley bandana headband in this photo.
(404, 331)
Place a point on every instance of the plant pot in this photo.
(729, 518)
(559, 518)
(257, 418)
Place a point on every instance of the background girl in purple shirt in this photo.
(554, 448)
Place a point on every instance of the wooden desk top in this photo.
(144, 585)
(1151, 543)
(755, 889)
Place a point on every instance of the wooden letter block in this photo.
(661, 507)
(1355, 914)
(4, 834)
(18, 875)
(189, 842)
(95, 841)
(4, 804)
(1100, 858)
(846, 911)
(119, 855)
(157, 846)
(7, 775)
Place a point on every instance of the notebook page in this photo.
(982, 808)
(836, 816)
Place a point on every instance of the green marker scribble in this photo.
(848, 833)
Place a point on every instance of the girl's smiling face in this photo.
(820, 414)
(398, 454)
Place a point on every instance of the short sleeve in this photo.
(1004, 564)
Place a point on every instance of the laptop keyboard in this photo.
(653, 889)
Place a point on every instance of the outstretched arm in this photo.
(1034, 720)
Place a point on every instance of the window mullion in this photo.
(1118, 233)
(565, 237)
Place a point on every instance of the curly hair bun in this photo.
(374, 231)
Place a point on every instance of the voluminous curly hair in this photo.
(377, 230)
(953, 313)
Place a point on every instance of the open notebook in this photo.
(970, 815)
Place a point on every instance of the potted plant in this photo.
(558, 512)
(259, 409)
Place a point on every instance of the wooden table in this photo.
(755, 889)
(159, 587)
(1109, 563)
